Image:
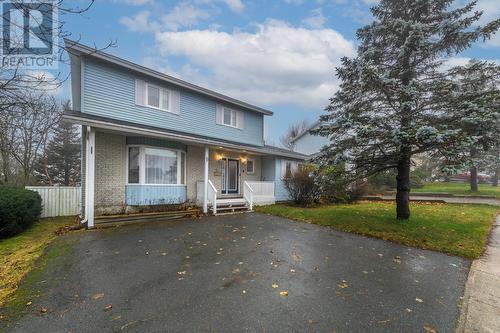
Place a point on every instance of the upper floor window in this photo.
(153, 96)
(229, 117)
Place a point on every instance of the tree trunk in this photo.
(403, 187)
(473, 179)
(495, 177)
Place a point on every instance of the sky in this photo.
(280, 55)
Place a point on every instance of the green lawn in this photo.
(459, 188)
(19, 253)
(454, 229)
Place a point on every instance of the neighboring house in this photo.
(149, 139)
(308, 144)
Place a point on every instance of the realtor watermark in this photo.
(29, 34)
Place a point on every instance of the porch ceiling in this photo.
(129, 128)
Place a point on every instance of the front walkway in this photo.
(481, 305)
(240, 273)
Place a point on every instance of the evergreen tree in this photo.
(393, 101)
(475, 114)
(61, 162)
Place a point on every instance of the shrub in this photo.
(333, 185)
(19, 208)
(302, 187)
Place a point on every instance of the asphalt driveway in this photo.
(226, 273)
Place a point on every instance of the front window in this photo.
(158, 97)
(156, 166)
(230, 117)
(288, 169)
(133, 165)
(250, 166)
(161, 166)
(153, 96)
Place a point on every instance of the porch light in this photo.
(243, 160)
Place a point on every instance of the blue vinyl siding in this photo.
(140, 195)
(271, 171)
(110, 92)
(280, 192)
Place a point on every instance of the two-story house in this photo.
(151, 139)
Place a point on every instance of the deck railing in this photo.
(248, 194)
(263, 192)
(212, 196)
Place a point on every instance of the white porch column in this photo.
(205, 181)
(90, 178)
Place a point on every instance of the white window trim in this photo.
(253, 163)
(142, 163)
(163, 90)
(293, 167)
(236, 113)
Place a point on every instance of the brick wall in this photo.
(110, 173)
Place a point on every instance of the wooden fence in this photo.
(59, 200)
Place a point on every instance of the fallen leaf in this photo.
(182, 273)
(43, 310)
(365, 272)
(283, 293)
(147, 253)
(164, 253)
(419, 300)
(29, 303)
(274, 285)
(117, 317)
(108, 307)
(343, 285)
(244, 291)
(429, 328)
(188, 257)
(292, 270)
(98, 296)
(408, 310)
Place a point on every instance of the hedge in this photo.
(19, 208)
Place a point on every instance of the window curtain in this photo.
(161, 166)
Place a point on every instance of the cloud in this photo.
(294, 2)
(136, 2)
(278, 64)
(316, 20)
(235, 5)
(140, 22)
(183, 15)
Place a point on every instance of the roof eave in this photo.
(165, 134)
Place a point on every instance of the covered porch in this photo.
(125, 171)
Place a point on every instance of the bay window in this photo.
(156, 166)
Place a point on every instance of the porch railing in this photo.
(212, 196)
(263, 192)
(248, 194)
